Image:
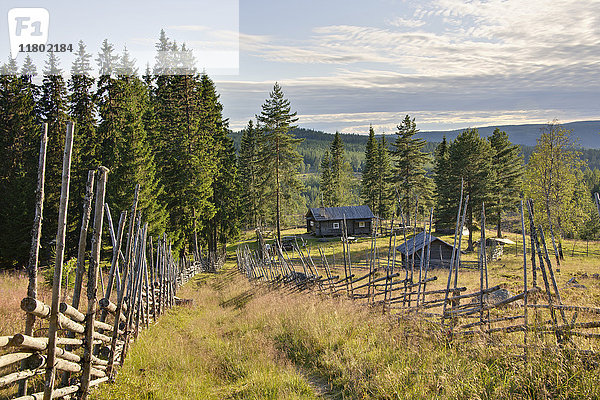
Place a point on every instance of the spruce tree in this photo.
(444, 192)
(279, 157)
(409, 174)
(82, 110)
(508, 166)
(369, 173)
(325, 181)
(340, 174)
(248, 170)
(470, 159)
(53, 108)
(123, 101)
(222, 196)
(384, 193)
(19, 146)
(187, 116)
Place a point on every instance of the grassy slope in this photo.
(242, 341)
(277, 345)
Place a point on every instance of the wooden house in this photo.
(329, 221)
(441, 251)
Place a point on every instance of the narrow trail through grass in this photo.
(243, 341)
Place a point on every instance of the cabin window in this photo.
(361, 224)
(312, 223)
(336, 225)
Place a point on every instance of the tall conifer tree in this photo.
(53, 108)
(279, 157)
(249, 179)
(82, 110)
(326, 181)
(507, 185)
(444, 192)
(369, 173)
(340, 174)
(409, 167)
(19, 146)
(384, 193)
(470, 159)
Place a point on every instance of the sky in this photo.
(210, 28)
(347, 65)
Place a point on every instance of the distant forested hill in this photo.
(588, 133)
(317, 142)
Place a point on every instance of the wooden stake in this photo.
(543, 269)
(551, 272)
(525, 297)
(36, 234)
(58, 262)
(453, 249)
(85, 219)
(121, 294)
(92, 284)
(80, 270)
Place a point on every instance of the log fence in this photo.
(84, 346)
(404, 289)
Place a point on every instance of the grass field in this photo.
(244, 341)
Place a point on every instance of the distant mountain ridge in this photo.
(587, 132)
(315, 142)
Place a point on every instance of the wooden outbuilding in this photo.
(441, 251)
(329, 221)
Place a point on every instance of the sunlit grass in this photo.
(280, 346)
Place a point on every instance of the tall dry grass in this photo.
(243, 341)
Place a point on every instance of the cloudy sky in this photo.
(347, 64)
(450, 63)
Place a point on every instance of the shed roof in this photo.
(338, 213)
(418, 241)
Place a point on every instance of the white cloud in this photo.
(405, 22)
(521, 57)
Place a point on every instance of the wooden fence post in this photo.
(525, 288)
(80, 270)
(36, 233)
(85, 220)
(121, 293)
(92, 285)
(58, 263)
(113, 275)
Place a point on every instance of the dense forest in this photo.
(315, 144)
(165, 130)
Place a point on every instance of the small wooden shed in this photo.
(329, 221)
(441, 251)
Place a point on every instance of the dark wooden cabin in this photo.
(329, 221)
(441, 251)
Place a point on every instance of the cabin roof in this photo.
(338, 213)
(418, 241)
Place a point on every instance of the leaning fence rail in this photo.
(405, 287)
